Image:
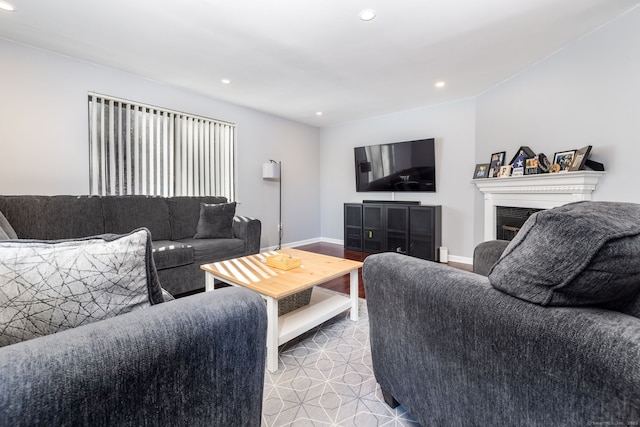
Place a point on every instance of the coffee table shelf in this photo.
(323, 306)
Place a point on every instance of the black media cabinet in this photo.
(410, 229)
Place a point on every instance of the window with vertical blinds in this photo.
(141, 149)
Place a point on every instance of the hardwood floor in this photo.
(341, 284)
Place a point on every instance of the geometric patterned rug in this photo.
(325, 378)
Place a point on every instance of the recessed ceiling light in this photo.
(5, 5)
(318, 113)
(367, 14)
(440, 84)
(225, 81)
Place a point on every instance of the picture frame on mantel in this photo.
(580, 158)
(505, 171)
(564, 159)
(482, 171)
(497, 161)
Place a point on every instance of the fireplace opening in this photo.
(509, 220)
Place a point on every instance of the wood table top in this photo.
(252, 272)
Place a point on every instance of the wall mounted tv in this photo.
(399, 166)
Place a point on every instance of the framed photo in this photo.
(505, 171)
(531, 166)
(482, 171)
(497, 160)
(564, 159)
(580, 158)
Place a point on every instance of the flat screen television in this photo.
(399, 166)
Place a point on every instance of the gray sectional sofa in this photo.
(548, 335)
(172, 221)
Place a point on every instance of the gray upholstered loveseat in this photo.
(550, 338)
(173, 222)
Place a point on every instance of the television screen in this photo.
(400, 166)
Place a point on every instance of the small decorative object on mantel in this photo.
(505, 171)
(531, 166)
(522, 154)
(564, 159)
(594, 166)
(580, 158)
(497, 160)
(555, 168)
(283, 261)
(538, 164)
(543, 163)
(482, 171)
(518, 162)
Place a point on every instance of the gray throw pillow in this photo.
(50, 286)
(216, 221)
(582, 253)
(6, 230)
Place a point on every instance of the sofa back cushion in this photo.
(584, 253)
(49, 286)
(53, 217)
(184, 213)
(125, 213)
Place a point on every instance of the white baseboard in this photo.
(452, 258)
(461, 259)
(293, 244)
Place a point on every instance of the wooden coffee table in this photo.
(274, 284)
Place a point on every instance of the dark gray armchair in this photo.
(195, 361)
(456, 351)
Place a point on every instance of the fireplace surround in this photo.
(543, 191)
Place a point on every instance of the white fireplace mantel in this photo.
(544, 191)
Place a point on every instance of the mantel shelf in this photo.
(580, 182)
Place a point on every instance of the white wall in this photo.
(44, 143)
(453, 126)
(585, 94)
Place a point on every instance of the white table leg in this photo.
(209, 282)
(353, 293)
(272, 334)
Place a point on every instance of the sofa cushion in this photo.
(216, 221)
(6, 230)
(184, 213)
(169, 254)
(54, 217)
(125, 213)
(209, 250)
(579, 254)
(49, 286)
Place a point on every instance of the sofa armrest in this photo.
(249, 230)
(194, 361)
(486, 254)
(455, 351)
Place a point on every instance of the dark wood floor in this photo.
(342, 284)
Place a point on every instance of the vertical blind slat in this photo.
(136, 160)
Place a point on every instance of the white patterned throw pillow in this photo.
(49, 286)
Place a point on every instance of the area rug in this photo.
(325, 378)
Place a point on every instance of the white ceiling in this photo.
(292, 58)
